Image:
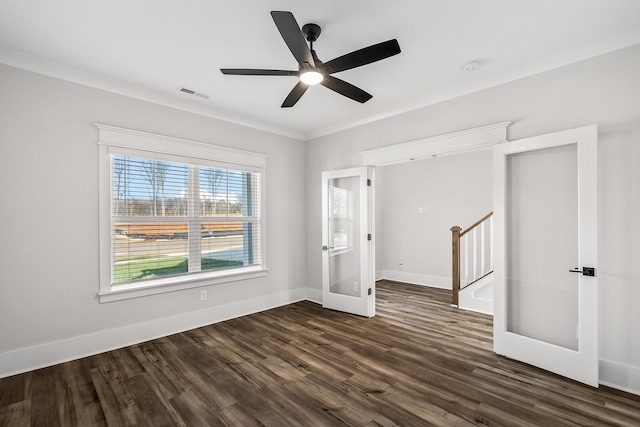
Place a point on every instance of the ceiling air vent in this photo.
(193, 92)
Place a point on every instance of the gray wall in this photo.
(455, 190)
(605, 91)
(49, 221)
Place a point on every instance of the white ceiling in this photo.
(149, 48)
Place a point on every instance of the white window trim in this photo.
(113, 138)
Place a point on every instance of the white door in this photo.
(545, 213)
(347, 247)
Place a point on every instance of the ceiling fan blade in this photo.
(363, 56)
(295, 94)
(292, 35)
(257, 72)
(346, 89)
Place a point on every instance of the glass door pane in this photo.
(542, 244)
(344, 232)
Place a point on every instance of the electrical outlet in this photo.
(203, 295)
(400, 262)
(355, 286)
(423, 211)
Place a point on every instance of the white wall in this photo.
(49, 223)
(455, 190)
(619, 255)
(605, 91)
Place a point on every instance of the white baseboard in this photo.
(416, 279)
(620, 376)
(314, 295)
(48, 354)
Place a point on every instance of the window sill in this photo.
(172, 284)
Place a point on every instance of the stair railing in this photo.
(475, 247)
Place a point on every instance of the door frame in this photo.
(580, 365)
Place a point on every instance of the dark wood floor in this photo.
(418, 362)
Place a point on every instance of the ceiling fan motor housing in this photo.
(311, 32)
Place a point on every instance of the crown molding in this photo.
(464, 141)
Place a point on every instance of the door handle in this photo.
(326, 248)
(586, 271)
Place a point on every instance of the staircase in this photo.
(478, 296)
(472, 266)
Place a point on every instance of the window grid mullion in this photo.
(148, 219)
(194, 220)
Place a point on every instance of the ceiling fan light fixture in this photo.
(311, 77)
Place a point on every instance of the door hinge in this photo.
(368, 183)
(369, 236)
(369, 291)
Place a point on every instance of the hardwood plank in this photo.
(301, 409)
(84, 403)
(354, 400)
(569, 415)
(165, 378)
(321, 395)
(250, 374)
(236, 416)
(127, 362)
(307, 361)
(221, 389)
(629, 409)
(421, 408)
(16, 414)
(195, 411)
(283, 371)
(154, 407)
(197, 355)
(44, 407)
(116, 402)
(13, 390)
(234, 349)
(268, 411)
(501, 415)
(183, 365)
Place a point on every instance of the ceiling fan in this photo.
(311, 69)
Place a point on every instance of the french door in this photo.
(348, 280)
(546, 286)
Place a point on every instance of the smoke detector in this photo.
(471, 66)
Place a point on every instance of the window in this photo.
(175, 221)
